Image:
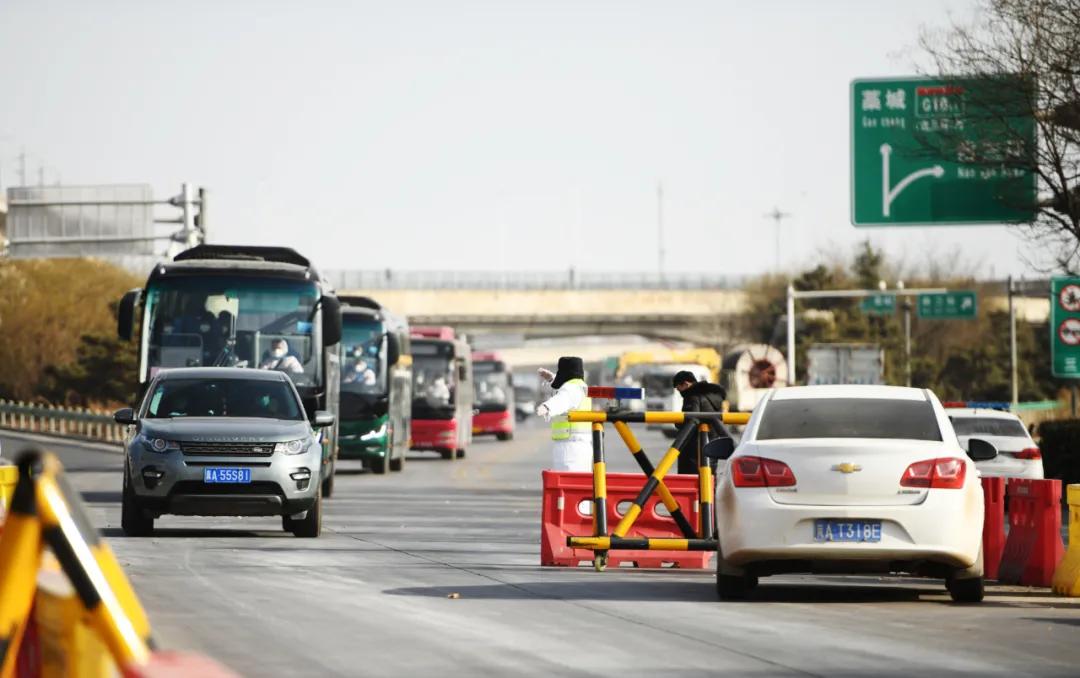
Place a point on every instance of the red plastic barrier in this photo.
(177, 665)
(567, 511)
(993, 525)
(1034, 547)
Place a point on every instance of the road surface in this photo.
(434, 571)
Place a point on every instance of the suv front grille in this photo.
(227, 448)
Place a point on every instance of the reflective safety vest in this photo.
(561, 426)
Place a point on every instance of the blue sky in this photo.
(479, 135)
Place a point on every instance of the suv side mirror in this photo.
(125, 314)
(323, 419)
(981, 450)
(719, 449)
(393, 349)
(125, 416)
(331, 319)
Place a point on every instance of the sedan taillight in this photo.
(1029, 453)
(761, 472)
(946, 473)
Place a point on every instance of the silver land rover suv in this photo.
(222, 442)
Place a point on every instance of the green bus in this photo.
(376, 385)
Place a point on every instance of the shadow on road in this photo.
(1068, 621)
(101, 497)
(195, 533)
(628, 590)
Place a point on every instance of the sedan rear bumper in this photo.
(944, 530)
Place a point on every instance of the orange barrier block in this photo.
(567, 511)
(1034, 547)
(993, 525)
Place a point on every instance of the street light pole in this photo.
(791, 334)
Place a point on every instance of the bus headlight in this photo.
(291, 447)
(377, 433)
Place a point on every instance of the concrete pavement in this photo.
(373, 595)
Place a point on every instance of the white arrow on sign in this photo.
(888, 194)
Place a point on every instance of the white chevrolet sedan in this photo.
(851, 479)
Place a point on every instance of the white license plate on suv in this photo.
(228, 474)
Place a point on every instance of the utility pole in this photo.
(22, 167)
(777, 216)
(41, 175)
(660, 228)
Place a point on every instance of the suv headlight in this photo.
(161, 445)
(291, 447)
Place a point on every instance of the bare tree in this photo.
(1033, 48)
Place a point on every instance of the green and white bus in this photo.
(376, 385)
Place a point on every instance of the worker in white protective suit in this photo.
(571, 442)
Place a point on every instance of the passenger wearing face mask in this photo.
(278, 358)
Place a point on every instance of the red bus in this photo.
(442, 406)
(493, 385)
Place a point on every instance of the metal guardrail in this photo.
(76, 422)
(389, 279)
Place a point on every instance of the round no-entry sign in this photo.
(1069, 298)
(1069, 331)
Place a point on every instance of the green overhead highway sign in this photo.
(879, 304)
(1065, 327)
(929, 152)
(947, 306)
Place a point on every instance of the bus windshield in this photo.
(492, 386)
(363, 367)
(433, 377)
(233, 321)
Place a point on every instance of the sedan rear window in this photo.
(223, 398)
(988, 426)
(849, 418)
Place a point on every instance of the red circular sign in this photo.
(1069, 331)
(1069, 298)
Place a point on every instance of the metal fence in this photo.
(49, 419)
(389, 279)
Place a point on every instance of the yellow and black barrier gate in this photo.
(702, 539)
(46, 510)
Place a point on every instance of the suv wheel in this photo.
(446, 454)
(966, 590)
(310, 525)
(133, 520)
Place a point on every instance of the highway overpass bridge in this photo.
(700, 316)
(701, 309)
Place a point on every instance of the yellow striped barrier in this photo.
(1067, 575)
(46, 510)
(690, 423)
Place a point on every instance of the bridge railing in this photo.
(51, 419)
(527, 280)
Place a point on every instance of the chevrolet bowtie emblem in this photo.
(847, 468)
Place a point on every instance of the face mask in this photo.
(278, 353)
(359, 367)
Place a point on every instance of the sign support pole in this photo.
(1012, 345)
(907, 342)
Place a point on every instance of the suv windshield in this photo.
(990, 426)
(233, 321)
(223, 398)
(849, 418)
